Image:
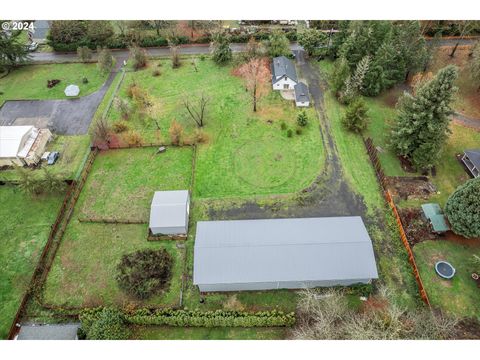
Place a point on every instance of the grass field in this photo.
(30, 81)
(247, 153)
(178, 333)
(121, 185)
(122, 182)
(459, 295)
(24, 227)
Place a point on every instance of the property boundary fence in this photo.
(54, 239)
(109, 221)
(373, 155)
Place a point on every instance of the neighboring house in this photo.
(284, 75)
(270, 254)
(302, 99)
(471, 159)
(22, 145)
(48, 332)
(169, 212)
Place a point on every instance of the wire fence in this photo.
(373, 155)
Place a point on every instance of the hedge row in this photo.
(197, 318)
(119, 42)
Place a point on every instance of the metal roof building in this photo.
(471, 159)
(302, 97)
(169, 212)
(282, 254)
(48, 332)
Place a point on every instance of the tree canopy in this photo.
(12, 51)
(278, 44)
(463, 209)
(314, 41)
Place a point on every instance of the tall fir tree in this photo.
(340, 73)
(421, 127)
(354, 83)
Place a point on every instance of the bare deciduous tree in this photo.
(101, 131)
(256, 75)
(197, 108)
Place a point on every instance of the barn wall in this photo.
(278, 285)
(180, 230)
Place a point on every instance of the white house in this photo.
(22, 145)
(301, 95)
(284, 75)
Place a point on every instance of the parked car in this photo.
(32, 46)
(53, 157)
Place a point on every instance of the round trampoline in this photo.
(444, 269)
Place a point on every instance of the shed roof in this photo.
(169, 208)
(302, 249)
(474, 157)
(282, 66)
(301, 92)
(48, 332)
(434, 213)
(11, 138)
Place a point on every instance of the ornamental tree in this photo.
(256, 75)
(221, 52)
(463, 209)
(356, 117)
(312, 40)
(421, 127)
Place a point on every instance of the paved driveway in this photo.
(65, 117)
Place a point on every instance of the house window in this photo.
(285, 86)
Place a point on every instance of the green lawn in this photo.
(247, 152)
(179, 333)
(460, 295)
(30, 81)
(24, 227)
(83, 273)
(122, 182)
(121, 185)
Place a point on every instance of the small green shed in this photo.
(437, 219)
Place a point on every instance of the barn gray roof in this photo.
(48, 332)
(474, 157)
(282, 66)
(306, 249)
(169, 208)
(301, 92)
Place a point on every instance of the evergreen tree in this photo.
(314, 41)
(354, 83)
(278, 44)
(105, 60)
(356, 118)
(222, 53)
(340, 73)
(421, 127)
(463, 209)
(12, 51)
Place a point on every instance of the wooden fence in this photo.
(54, 238)
(373, 154)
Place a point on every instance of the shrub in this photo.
(175, 57)
(124, 107)
(463, 209)
(222, 53)
(200, 137)
(84, 80)
(289, 133)
(105, 60)
(144, 272)
(283, 126)
(103, 324)
(119, 127)
(139, 57)
(133, 138)
(302, 118)
(298, 131)
(156, 73)
(202, 57)
(176, 133)
(356, 118)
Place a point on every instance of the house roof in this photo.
(299, 249)
(169, 208)
(474, 157)
(11, 140)
(48, 332)
(282, 66)
(434, 213)
(301, 92)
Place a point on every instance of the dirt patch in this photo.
(416, 226)
(233, 304)
(410, 187)
(467, 329)
(450, 236)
